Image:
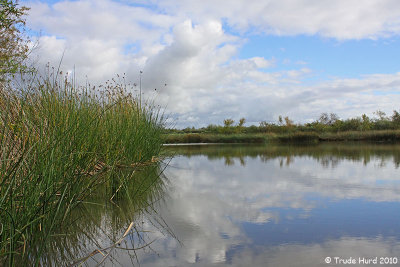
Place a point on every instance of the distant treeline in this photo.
(326, 123)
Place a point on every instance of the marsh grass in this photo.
(298, 138)
(58, 142)
(214, 138)
(377, 136)
(94, 228)
(284, 137)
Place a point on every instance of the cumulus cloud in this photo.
(342, 19)
(192, 48)
(191, 64)
(101, 38)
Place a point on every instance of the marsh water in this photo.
(253, 205)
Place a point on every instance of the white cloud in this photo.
(101, 38)
(341, 19)
(186, 47)
(190, 65)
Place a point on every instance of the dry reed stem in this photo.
(110, 248)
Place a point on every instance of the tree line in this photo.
(327, 122)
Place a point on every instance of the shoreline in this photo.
(382, 136)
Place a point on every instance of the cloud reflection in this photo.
(214, 208)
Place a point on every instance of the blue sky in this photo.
(231, 59)
(350, 58)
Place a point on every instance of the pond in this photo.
(259, 205)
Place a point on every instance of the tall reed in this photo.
(57, 143)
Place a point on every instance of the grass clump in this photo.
(390, 136)
(213, 138)
(375, 136)
(57, 143)
(299, 137)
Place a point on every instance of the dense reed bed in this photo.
(378, 136)
(213, 138)
(58, 142)
(284, 137)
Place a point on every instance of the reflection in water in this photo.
(238, 205)
(315, 254)
(103, 218)
(329, 155)
(285, 206)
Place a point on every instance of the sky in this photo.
(211, 60)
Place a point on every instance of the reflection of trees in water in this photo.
(230, 161)
(396, 159)
(105, 216)
(382, 163)
(329, 161)
(282, 160)
(328, 154)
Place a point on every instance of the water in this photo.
(248, 205)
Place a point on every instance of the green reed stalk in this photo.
(56, 143)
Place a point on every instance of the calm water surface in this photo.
(238, 205)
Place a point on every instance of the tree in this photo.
(228, 122)
(383, 122)
(280, 120)
(242, 121)
(13, 45)
(396, 117)
(333, 118)
(366, 122)
(326, 119)
(288, 122)
(381, 115)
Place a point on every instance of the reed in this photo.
(373, 135)
(58, 142)
(387, 136)
(98, 223)
(298, 138)
(214, 138)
